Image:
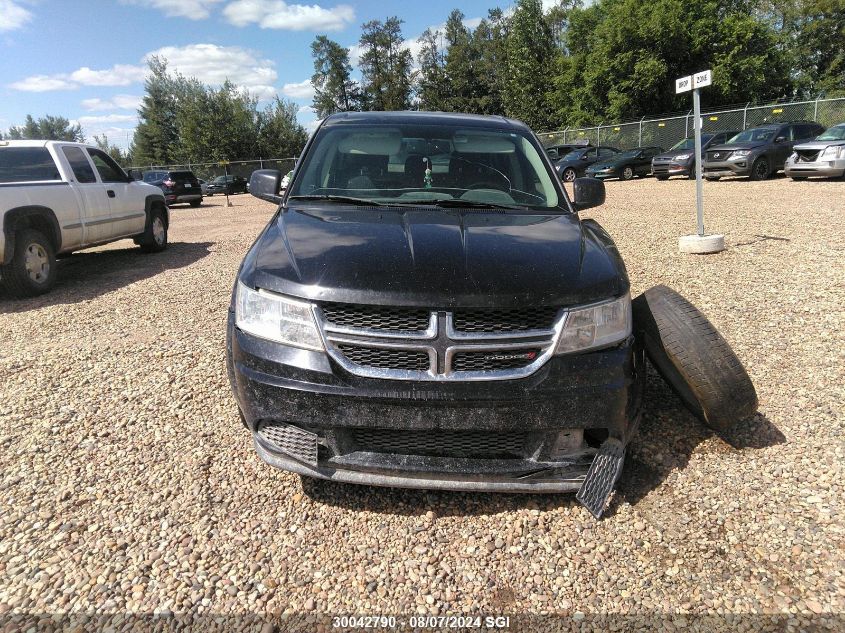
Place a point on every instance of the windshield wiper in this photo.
(363, 202)
(458, 203)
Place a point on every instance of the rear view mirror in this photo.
(589, 192)
(265, 184)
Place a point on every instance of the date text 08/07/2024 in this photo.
(422, 622)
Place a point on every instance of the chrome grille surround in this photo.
(442, 342)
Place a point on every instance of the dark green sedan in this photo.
(630, 163)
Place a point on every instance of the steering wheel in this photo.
(486, 184)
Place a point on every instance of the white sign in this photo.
(684, 84)
(702, 79)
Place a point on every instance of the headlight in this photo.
(276, 318)
(741, 152)
(682, 156)
(833, 151)
(596, 326)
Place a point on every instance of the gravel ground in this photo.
(129, 485)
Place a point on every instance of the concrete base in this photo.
(701, 244)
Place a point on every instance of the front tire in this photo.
(760, 169)
(627, 173)
(693, 358)
(568, 175)
(196, 203)
(154, 239)
(32, 270)
(662, 177)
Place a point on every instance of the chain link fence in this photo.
(209, 171)
(667, 130)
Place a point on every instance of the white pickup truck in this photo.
(58, 197)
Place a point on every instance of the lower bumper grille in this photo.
(468, 444)
(290, 440)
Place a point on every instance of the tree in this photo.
(102, 142)
(461, 65)
(489, 40)
(530, 49)
(50, 128)
(334, 88)
(432, 86)
(157, 135)
(280, 135)
(386, 66)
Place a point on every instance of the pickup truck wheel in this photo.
(693, 358)
(760, 169)
(154, 239)
(32, 270)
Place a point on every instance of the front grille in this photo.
(722, 154)
(364, 317)
(808, 156)
(471, 444)
(494, 360)
(505, 320)
(291, 440)
(401, 359)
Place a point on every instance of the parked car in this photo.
(823, 156)
(575, 163)
(58, 197)
(461, 330)
(626, 165)
(228, 185)
(178, 187)
(680, 159)
(758, 152)
(556, 152)
(203, 186)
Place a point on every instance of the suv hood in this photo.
(813, 145)
(733, 146)
(434, 257)
(678, 152)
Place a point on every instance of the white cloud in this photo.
(12, 15)
(191, 9)
(108, 118)
(214, 64)
(117, 75)
(301, 90)
(117, 102)
(307, 109)
(277, 14)
(43, 83)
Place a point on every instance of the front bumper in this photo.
(604, 173)
(821, 168)
(737, 167)
(670, 168)
(585, 397)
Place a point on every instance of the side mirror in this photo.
(265, 184)
(589, 192)
(134, 174)
(780, 139)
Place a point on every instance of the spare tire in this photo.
(693, 358)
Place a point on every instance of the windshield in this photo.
(219, 180)
(574, 154)
(689, 143)
(631, 153)
(426, 164)
(754, 135)
(836, 133)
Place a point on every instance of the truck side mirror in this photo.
(134, 174)
(266, 184)
(589, 192)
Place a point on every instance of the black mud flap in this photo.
(602, 476)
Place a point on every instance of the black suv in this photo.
(758, 152)
(450, 325)
(679, 160)
(178, 186)
(228, 185)
(575, 163)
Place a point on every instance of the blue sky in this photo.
(84, 59)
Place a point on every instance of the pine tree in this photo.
(50, 128)
(461, 65)
(280, 135)
(432, 87)
(156, 137)
(530, 49)
(334, 88)
(386, 66)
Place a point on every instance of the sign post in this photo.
(225, 165)
(700, 242)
